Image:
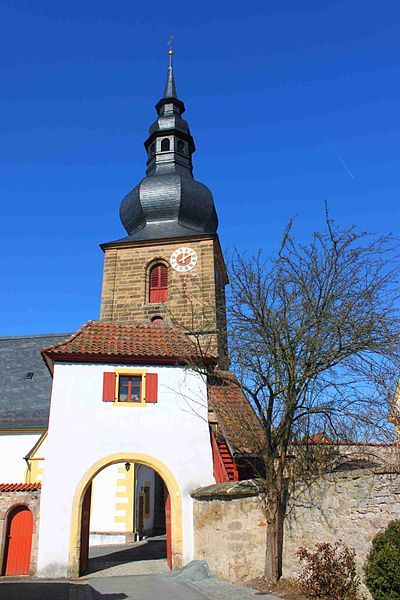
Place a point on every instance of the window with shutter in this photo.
(130, 387)
(158, 284)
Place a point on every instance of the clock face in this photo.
(183, 260)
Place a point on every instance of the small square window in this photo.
(130, 388)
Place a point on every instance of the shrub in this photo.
(382, 568)
(329, 573)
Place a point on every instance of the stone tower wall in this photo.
(196, 301)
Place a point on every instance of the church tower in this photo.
(170, 266)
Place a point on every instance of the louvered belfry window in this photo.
(158, 283)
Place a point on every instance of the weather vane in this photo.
(170, 52)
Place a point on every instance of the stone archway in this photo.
(85, 482)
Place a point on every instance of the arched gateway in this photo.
(153, 414)
(174, 533)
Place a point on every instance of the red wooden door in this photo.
(168, 530)
(85, 523)
(19, 542)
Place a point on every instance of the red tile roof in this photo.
(99, 341)
(19, 487)
(236, 418)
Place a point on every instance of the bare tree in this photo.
(314, 342)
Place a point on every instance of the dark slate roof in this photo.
(24, 401)
(168, 202)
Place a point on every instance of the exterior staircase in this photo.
(227, 459)
(225, 468)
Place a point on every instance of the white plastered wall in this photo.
(104, 499)
(13, 448)
(84, 430)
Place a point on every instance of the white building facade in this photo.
(87, 434)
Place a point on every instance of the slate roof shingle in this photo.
(24, 402)
(102, 341)
(235, 415)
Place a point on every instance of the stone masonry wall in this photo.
(230, 535)
(348, 506)
(193, 299)
(9, 500)
(352, 506)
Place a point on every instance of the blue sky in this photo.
(289, 103)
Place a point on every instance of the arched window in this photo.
(181, 147)
(165, 144)
(158, 284)
(157, 319)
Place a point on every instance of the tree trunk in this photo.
(274, 537)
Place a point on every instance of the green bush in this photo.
(382, 568)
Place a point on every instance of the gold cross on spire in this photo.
(170, 52)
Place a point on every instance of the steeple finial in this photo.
(170, 88)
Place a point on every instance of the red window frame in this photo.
(158, 283)
(129, 391)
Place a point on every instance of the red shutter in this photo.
(163, 276)
(109, 387)
(158, 284)
(154, 277)
(151, 387)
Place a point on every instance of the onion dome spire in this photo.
(168, 202)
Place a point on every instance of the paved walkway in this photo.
(131, 572)
(146, 557)
(160, 587)
(20, 589)
(139, 587)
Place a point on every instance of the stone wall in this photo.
(9, 500)
(230, 535)
(353, 506)
(349, 506)
(196, 299)
(229, 529)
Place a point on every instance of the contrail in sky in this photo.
(338, 155)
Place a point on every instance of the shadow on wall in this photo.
(44, 590)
